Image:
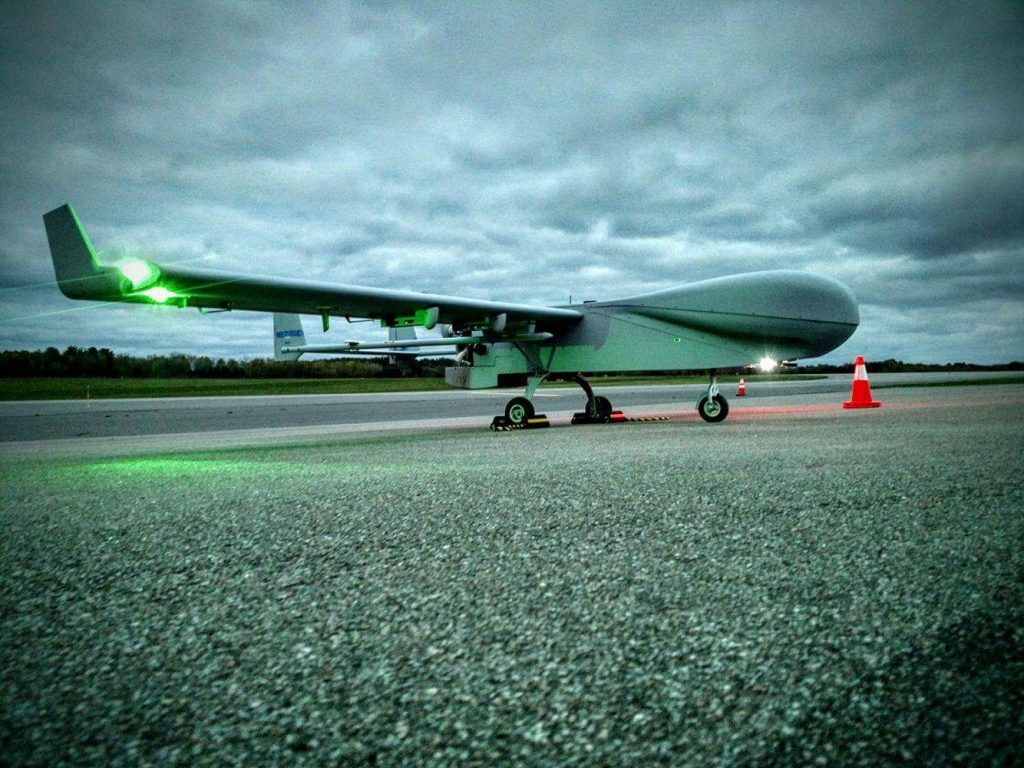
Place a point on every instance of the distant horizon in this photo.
(810, 362)
(522, 153)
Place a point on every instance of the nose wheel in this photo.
(713, 407)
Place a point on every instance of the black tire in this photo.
(713, 410)
(518, 410)
(603, 406)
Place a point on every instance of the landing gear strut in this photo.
(599, 408)
(713, 406)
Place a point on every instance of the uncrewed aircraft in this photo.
(724, 322)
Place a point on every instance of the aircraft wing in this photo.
(81, 275)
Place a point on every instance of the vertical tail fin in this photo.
(288, 336)
(400, 333)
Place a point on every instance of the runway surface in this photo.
(278, 417)
(800, 585)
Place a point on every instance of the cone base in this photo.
(869, 404)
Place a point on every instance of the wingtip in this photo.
(60, 210)
(78, 271)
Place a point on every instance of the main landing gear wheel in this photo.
(518, 411)
(603, 406)
(714, 409)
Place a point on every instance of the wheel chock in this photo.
(537, 421)
(615, 417)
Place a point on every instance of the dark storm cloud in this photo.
(945, 206)
(523, 151)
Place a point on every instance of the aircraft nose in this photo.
(806, 296)
(835, 308)
(844, 307)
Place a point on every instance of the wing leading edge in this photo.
(81, 275)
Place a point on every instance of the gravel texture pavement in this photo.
(795, 588)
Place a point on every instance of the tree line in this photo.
(93, 362)
(104, 363)
(898, 366)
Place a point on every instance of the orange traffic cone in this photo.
(742, 389)
(861, 396)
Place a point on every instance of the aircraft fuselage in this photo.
(721, 323)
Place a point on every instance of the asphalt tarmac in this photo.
(32, 421)
(800, 585)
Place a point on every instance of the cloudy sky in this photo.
(523, 152)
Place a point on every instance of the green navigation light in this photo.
(159, 294)
(138, 272)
